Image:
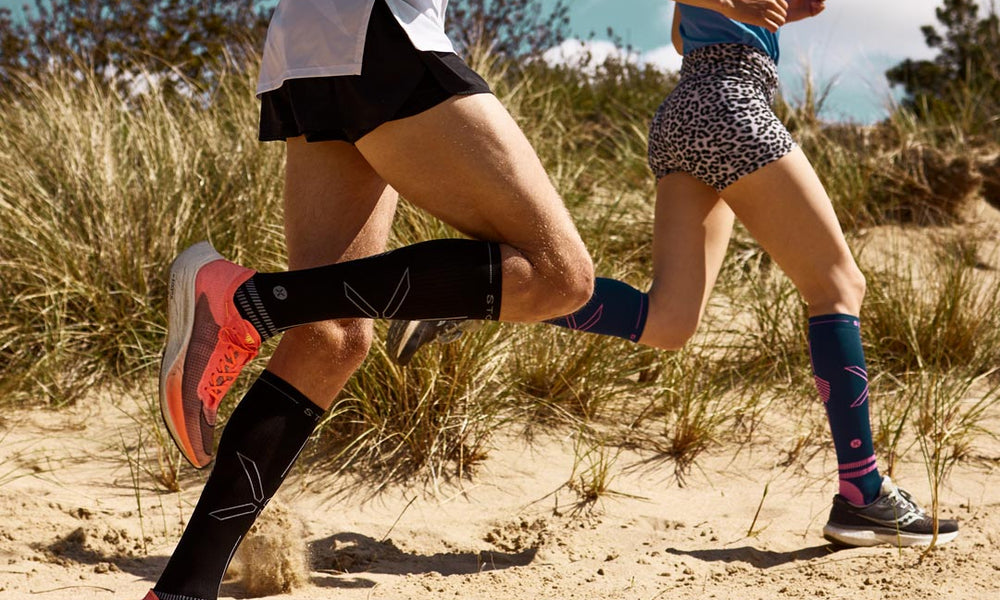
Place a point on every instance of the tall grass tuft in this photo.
(435, 416)
(563, 377)
(99, 190)
(940, 315)
(950, 408)
(766, 340)
(690, 410)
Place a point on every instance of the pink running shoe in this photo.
(208, 344)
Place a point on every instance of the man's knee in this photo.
(344, 343)
(565, 283)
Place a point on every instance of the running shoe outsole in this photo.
(402, 343)
(846, 536)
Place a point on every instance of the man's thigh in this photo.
(336, 207)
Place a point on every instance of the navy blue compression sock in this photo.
(616, 309)
(261, 441)
(842, 379)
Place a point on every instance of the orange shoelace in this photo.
(236, 353)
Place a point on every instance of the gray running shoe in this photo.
(405, 338)
(893, 518)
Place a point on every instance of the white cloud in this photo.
(664, 57)
(585, 55)
(853, 42)
(588, 55)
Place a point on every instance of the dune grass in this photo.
(99, 190)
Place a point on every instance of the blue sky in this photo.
(852, 43)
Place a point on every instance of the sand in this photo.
(73, 525)
(81, 516)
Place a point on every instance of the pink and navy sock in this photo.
(616, 309)
(842, 379)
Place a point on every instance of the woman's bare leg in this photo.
(785, 207)
(691, 233)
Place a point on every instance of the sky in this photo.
(851, 44)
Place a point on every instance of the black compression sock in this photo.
(262, 439)
(439, 279)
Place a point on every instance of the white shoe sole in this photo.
(180, 323)
(403, 343)
(868, 537)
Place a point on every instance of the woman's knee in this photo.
(857, 286)
(842, 292)
(669, 329)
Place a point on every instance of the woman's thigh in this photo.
(785, 207)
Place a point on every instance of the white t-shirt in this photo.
(324, 38)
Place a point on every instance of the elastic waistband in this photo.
(738, 60)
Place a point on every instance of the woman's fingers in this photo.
(771, 14)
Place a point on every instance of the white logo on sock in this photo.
(392, 306)
(256, 501)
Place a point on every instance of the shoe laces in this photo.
(237, 350)
(902, 500)
(448, 331)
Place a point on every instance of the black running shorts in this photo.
(396, 81)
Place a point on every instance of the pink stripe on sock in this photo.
(593, 320)
(638, 318)
(855, 465)
(858, 473)
(824, 388)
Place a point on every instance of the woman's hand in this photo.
(770, 14)
(803, 9)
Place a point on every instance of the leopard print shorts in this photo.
(717, 124)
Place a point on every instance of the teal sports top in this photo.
(702, 27)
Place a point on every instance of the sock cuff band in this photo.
(494, 282)
(166, 596)
(248, 303)
(835, 320)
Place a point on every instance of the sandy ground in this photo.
(73, 525)
(77, 522)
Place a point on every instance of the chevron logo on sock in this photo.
(863, 374)
(257, 500)
(391, 307)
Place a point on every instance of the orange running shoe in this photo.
(208, 344)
